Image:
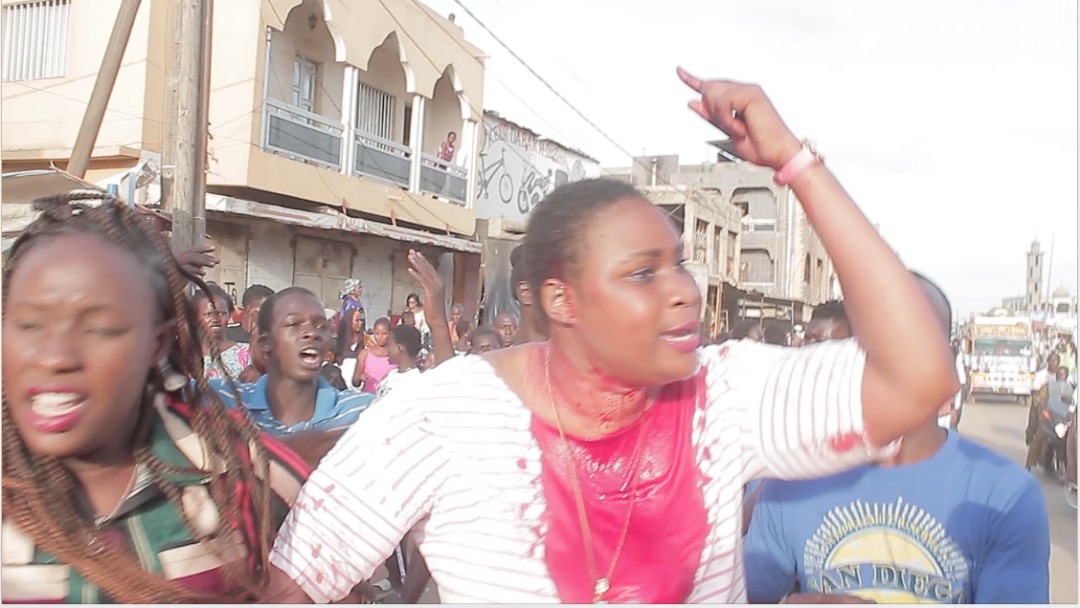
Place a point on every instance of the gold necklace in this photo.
(601, 584)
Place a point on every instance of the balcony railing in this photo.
(441, 179)
(759, 226)
(382, 159)
(302, 135)
(307, 137)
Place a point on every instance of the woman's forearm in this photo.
(909, 364)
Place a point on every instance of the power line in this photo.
(542, 80)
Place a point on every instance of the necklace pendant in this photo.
(601, 587)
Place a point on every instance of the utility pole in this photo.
(187, 103)
(103, 86)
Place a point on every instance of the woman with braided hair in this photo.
(114, 488)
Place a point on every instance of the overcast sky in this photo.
(952, 123)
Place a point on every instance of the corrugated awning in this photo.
(328, 221)
(23, 187)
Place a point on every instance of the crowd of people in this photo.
(592, 450)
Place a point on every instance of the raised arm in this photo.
(435, 311)
(909, 369)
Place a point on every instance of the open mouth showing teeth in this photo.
(50, 405)
(681, 336)
(309, 356)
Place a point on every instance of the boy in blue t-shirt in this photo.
(946, 521)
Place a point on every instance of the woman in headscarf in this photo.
(350, 296)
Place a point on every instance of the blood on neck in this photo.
(603, 402)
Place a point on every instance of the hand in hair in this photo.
(195, 260)
(747, 116)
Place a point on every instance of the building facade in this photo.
(711, 234)
(326, 117)
(518, 168)
(1033, 296)
(779, 257)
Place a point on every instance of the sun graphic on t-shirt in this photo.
(889, 553)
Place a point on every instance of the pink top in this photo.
(376, 368)
(668, 519)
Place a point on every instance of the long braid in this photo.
(37, 490)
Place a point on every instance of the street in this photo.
(998, 423)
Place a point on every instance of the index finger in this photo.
(691, 81)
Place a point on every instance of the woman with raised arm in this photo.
(549, 471)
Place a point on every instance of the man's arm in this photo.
(767, 554)
(1015, 569)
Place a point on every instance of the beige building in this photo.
(779, 255)
(710, 229)
(325, 118)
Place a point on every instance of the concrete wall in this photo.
(43, 116)
(256, 251)
(518, 169)
(386, 73)
(775, 228)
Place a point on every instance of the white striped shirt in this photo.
(452, 458)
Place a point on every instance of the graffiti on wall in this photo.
(517, 170)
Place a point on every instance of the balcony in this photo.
(302, 135)
(382, 159)
(443, 180)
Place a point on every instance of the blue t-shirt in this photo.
(334, 409)
(964, 526)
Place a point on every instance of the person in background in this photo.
(506, 323)
(257, 368)
(457, 313)
(252, 300)
(407, 318)
(945, 520)
(416, 307)
(829, 322)
(373, 363)
(1068, 357)
(1039, 394)
(464, 331)
(293, 397)
(621, 379)
(533, 323)
(351, 339)
(404, 349)
(213, 306)
(447, 149)
(722, 337)
(332, 372)
(748, 329)
(110, 479)
(483, 339)
(350, 293)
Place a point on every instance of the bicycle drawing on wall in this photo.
(534, 187)
(489, 172)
